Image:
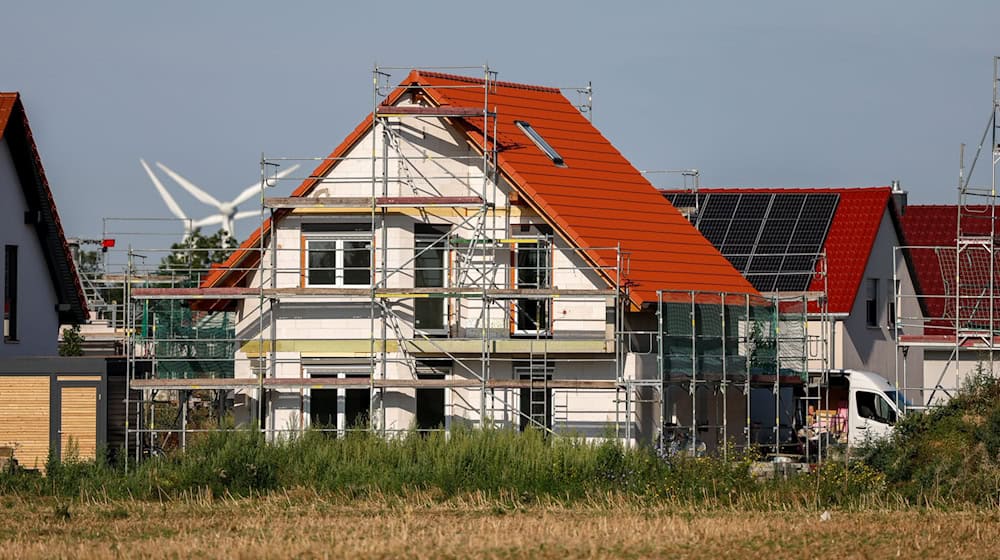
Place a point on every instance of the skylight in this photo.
(540, 142)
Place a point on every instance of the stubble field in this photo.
(305, 525)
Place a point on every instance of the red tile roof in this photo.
(849, 240)
(15, 129)
(936, 226)
(596, 201)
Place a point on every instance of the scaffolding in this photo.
(470, 301)
(958, 327)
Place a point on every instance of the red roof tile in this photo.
(936, 226)
(849, 240)
(15, 129)
(597, 201)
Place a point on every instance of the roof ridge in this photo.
(471, 80)
(772, 189)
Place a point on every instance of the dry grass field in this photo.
(303, 525)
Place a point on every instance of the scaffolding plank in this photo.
(368, 202)
(192, 384)
(411, 293)
(364, 382)
(194, 293)
(422, 111)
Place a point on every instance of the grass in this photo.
(932, 490)
(312, 525)
(492, 462)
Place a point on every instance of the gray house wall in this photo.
(37, 318)
(874, 348)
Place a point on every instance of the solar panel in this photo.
(681, 200)
(787, 206)
(714, 230)
(719, 207)
(752, 206)
(743, 232)
(774, 239)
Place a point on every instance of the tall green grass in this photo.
(482, 462)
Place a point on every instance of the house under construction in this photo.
(475, 253)
(955, 256)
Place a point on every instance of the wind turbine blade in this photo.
(190, 187)
(246, 195)
(255, 188)
(172, 205)
(213, 219)
(246, 214)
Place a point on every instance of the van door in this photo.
(872, 417)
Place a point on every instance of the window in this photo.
(544, 146)
(429, 272)
(10, 293)
(871, 302)
(890, 308)
(873, 406)
(338, 410)
(338, 255)
(430, 401)
(533, 272)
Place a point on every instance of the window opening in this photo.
(536, 404)
(871, 303)
(10, 293)
(431, 401)
(532, 271)
(429, 272)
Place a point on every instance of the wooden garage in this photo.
(53, 403)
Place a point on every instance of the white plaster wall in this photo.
(38, 321)
(439, 164)
(943, 376)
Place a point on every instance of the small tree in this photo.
(197, 253)
(72, 342)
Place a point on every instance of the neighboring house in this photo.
(778, 237)
(458, 285)
(954, 335)
(44, 401)
(41, 286)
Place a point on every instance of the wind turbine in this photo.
(228, 211)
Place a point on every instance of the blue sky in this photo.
(751, 93)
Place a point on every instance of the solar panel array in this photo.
(773, 239)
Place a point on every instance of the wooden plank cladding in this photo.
(78, 432)
(24, 418)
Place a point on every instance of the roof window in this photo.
(541, 143)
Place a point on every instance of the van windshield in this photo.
(902, 403)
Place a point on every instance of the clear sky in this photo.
(751, 93)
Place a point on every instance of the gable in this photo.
(41, 209)
(594, 198)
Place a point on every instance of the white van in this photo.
(858, 407)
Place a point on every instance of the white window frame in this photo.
(340, 240)
(327, 372)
